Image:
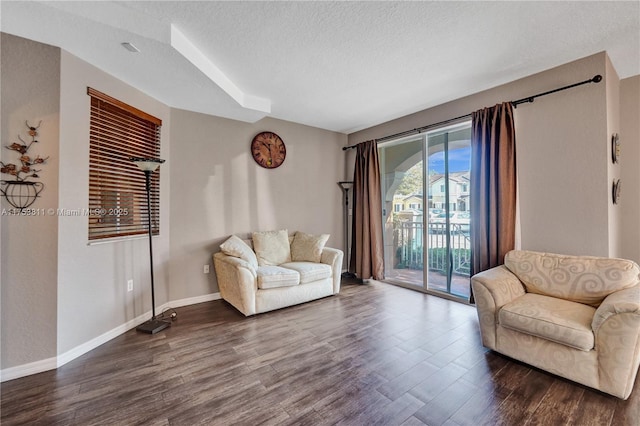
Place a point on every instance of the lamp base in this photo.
(153, 326)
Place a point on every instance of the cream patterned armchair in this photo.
(574, 316)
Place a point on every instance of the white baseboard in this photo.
(60, 360)
(28, 369)
(82, 349)
(192, 300)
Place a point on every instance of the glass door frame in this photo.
(424, 138)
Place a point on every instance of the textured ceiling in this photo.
(342, 66)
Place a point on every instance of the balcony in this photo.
(408, 264)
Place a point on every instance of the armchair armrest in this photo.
(620, 302)
(616, 326)
(237, 282)
(503, 286)
(333, 257)
(493, 289)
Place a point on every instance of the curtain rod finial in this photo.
(597, 79)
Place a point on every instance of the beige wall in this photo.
(30, 87)
(612, 82)
(92, 279)
(563, 162)
(629, 167)
(218, 190)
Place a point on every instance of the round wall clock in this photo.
(268, 150)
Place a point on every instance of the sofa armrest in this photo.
(237, 282)
(492, 289)
(333, 257)
(616, 326)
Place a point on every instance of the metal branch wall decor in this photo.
(21, 191)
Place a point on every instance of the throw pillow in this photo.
(307, 247)
(272, 247)
(235, 247)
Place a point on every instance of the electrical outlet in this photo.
(130, 285)
(206, 269)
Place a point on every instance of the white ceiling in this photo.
(342, 66)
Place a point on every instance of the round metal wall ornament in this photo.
(615, 148)
(615, 191)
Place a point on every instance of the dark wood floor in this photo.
(374, 355)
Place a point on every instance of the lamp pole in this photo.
(148, 166)
(147, 177)
(345, 186)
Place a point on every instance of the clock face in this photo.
(268, 150)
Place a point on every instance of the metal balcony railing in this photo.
(408, 242)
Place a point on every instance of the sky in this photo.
(459, 160)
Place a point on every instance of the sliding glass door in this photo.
(449, 218)
(427, 220)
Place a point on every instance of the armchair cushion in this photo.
(276, 276)
(307, 247)
(272, 247)
(582, 279)
(558, 320)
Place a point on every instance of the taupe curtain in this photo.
(367, 259)
(493, 186)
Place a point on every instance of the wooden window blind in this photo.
(117, 190)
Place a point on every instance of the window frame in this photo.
(117, 203)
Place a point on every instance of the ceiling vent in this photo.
(130, 47)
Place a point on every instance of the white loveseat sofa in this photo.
(574, 316)
(274, 270)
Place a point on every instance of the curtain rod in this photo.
(528, 99)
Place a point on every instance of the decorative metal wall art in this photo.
(615, 148)
(22, 191)
(615, 191)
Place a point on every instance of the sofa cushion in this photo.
(582, 279)
(276, 276)
(272, 247)
(309, 271)
(308, 247)
(558, 320)
(235, 247)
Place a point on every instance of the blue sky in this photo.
(459, 160)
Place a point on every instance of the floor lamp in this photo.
(345, 186)
(148, 166)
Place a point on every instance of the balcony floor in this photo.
(437, 281)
